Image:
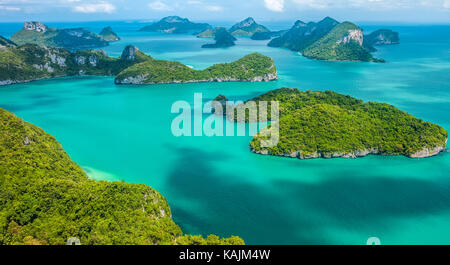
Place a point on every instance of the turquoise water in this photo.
(215, 185)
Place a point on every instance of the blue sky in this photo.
(408, 11)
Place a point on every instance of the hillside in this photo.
(45, 198)
(253, 67)
(223, 39)
(109, 35)
(32, 62)
(247, 28)
(328, 124)
(72, 39)
(343, 43)
(176, 25)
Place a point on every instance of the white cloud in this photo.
(9, 8)
(447, 4)
(214, 8)
(101, 7)
(274, 5)
(159, 6)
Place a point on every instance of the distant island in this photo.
(31, 62)
(380, 37)
(48, 199)
(71, 39)
(223, 39)
(253, 67)
(327, 40)
(176, 25)
(247, 28)
(358, 128)
(109, 35)
(267, 35)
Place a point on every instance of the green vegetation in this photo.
(253, 67)
(223, 39)
(327, 40)
(108, 34)
(343, 43)
(45, 198)
(328, 124)
(6, 42)
(31, 62)
(381, 37)
(177, 25)
(267, 35)
(72, 39)
(247, 28)
(302, 35)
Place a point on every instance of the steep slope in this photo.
(45, 198)
(343, 43)
(247, 28)
(302, 35)
(108, 34)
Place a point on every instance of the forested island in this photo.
(176, 25)
(223, 39)
(108, 34)
(31, 62)
(253, 67)
(46, 198)
(72, 39)
(328, 125)
(330, 40)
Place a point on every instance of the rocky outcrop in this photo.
(355, 35)
(427, 152)
(35, 26)
(129, 53)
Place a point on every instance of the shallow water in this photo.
(215, 185)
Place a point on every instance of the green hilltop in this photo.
(176, 25)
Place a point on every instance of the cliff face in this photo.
(35, 26)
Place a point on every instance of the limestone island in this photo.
(176, 25)
(29, 62)
(109, 35)
(381, 37)
(223, 39)
(48, 198)
(330, 125)
(247, 28)
(71, 39)
(328, 40)
(254, 67)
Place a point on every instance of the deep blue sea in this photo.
(215, 184)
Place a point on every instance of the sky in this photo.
(406, 11)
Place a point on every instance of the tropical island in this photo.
(247, 28)
(31, 62)
(327, 40)
(176, 25)
(223, 39)
(329, 125)
(71, 39)
(47, 198)
(254, 67)
(109, 35)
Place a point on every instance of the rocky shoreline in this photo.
(424, 153)
(140, 80)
